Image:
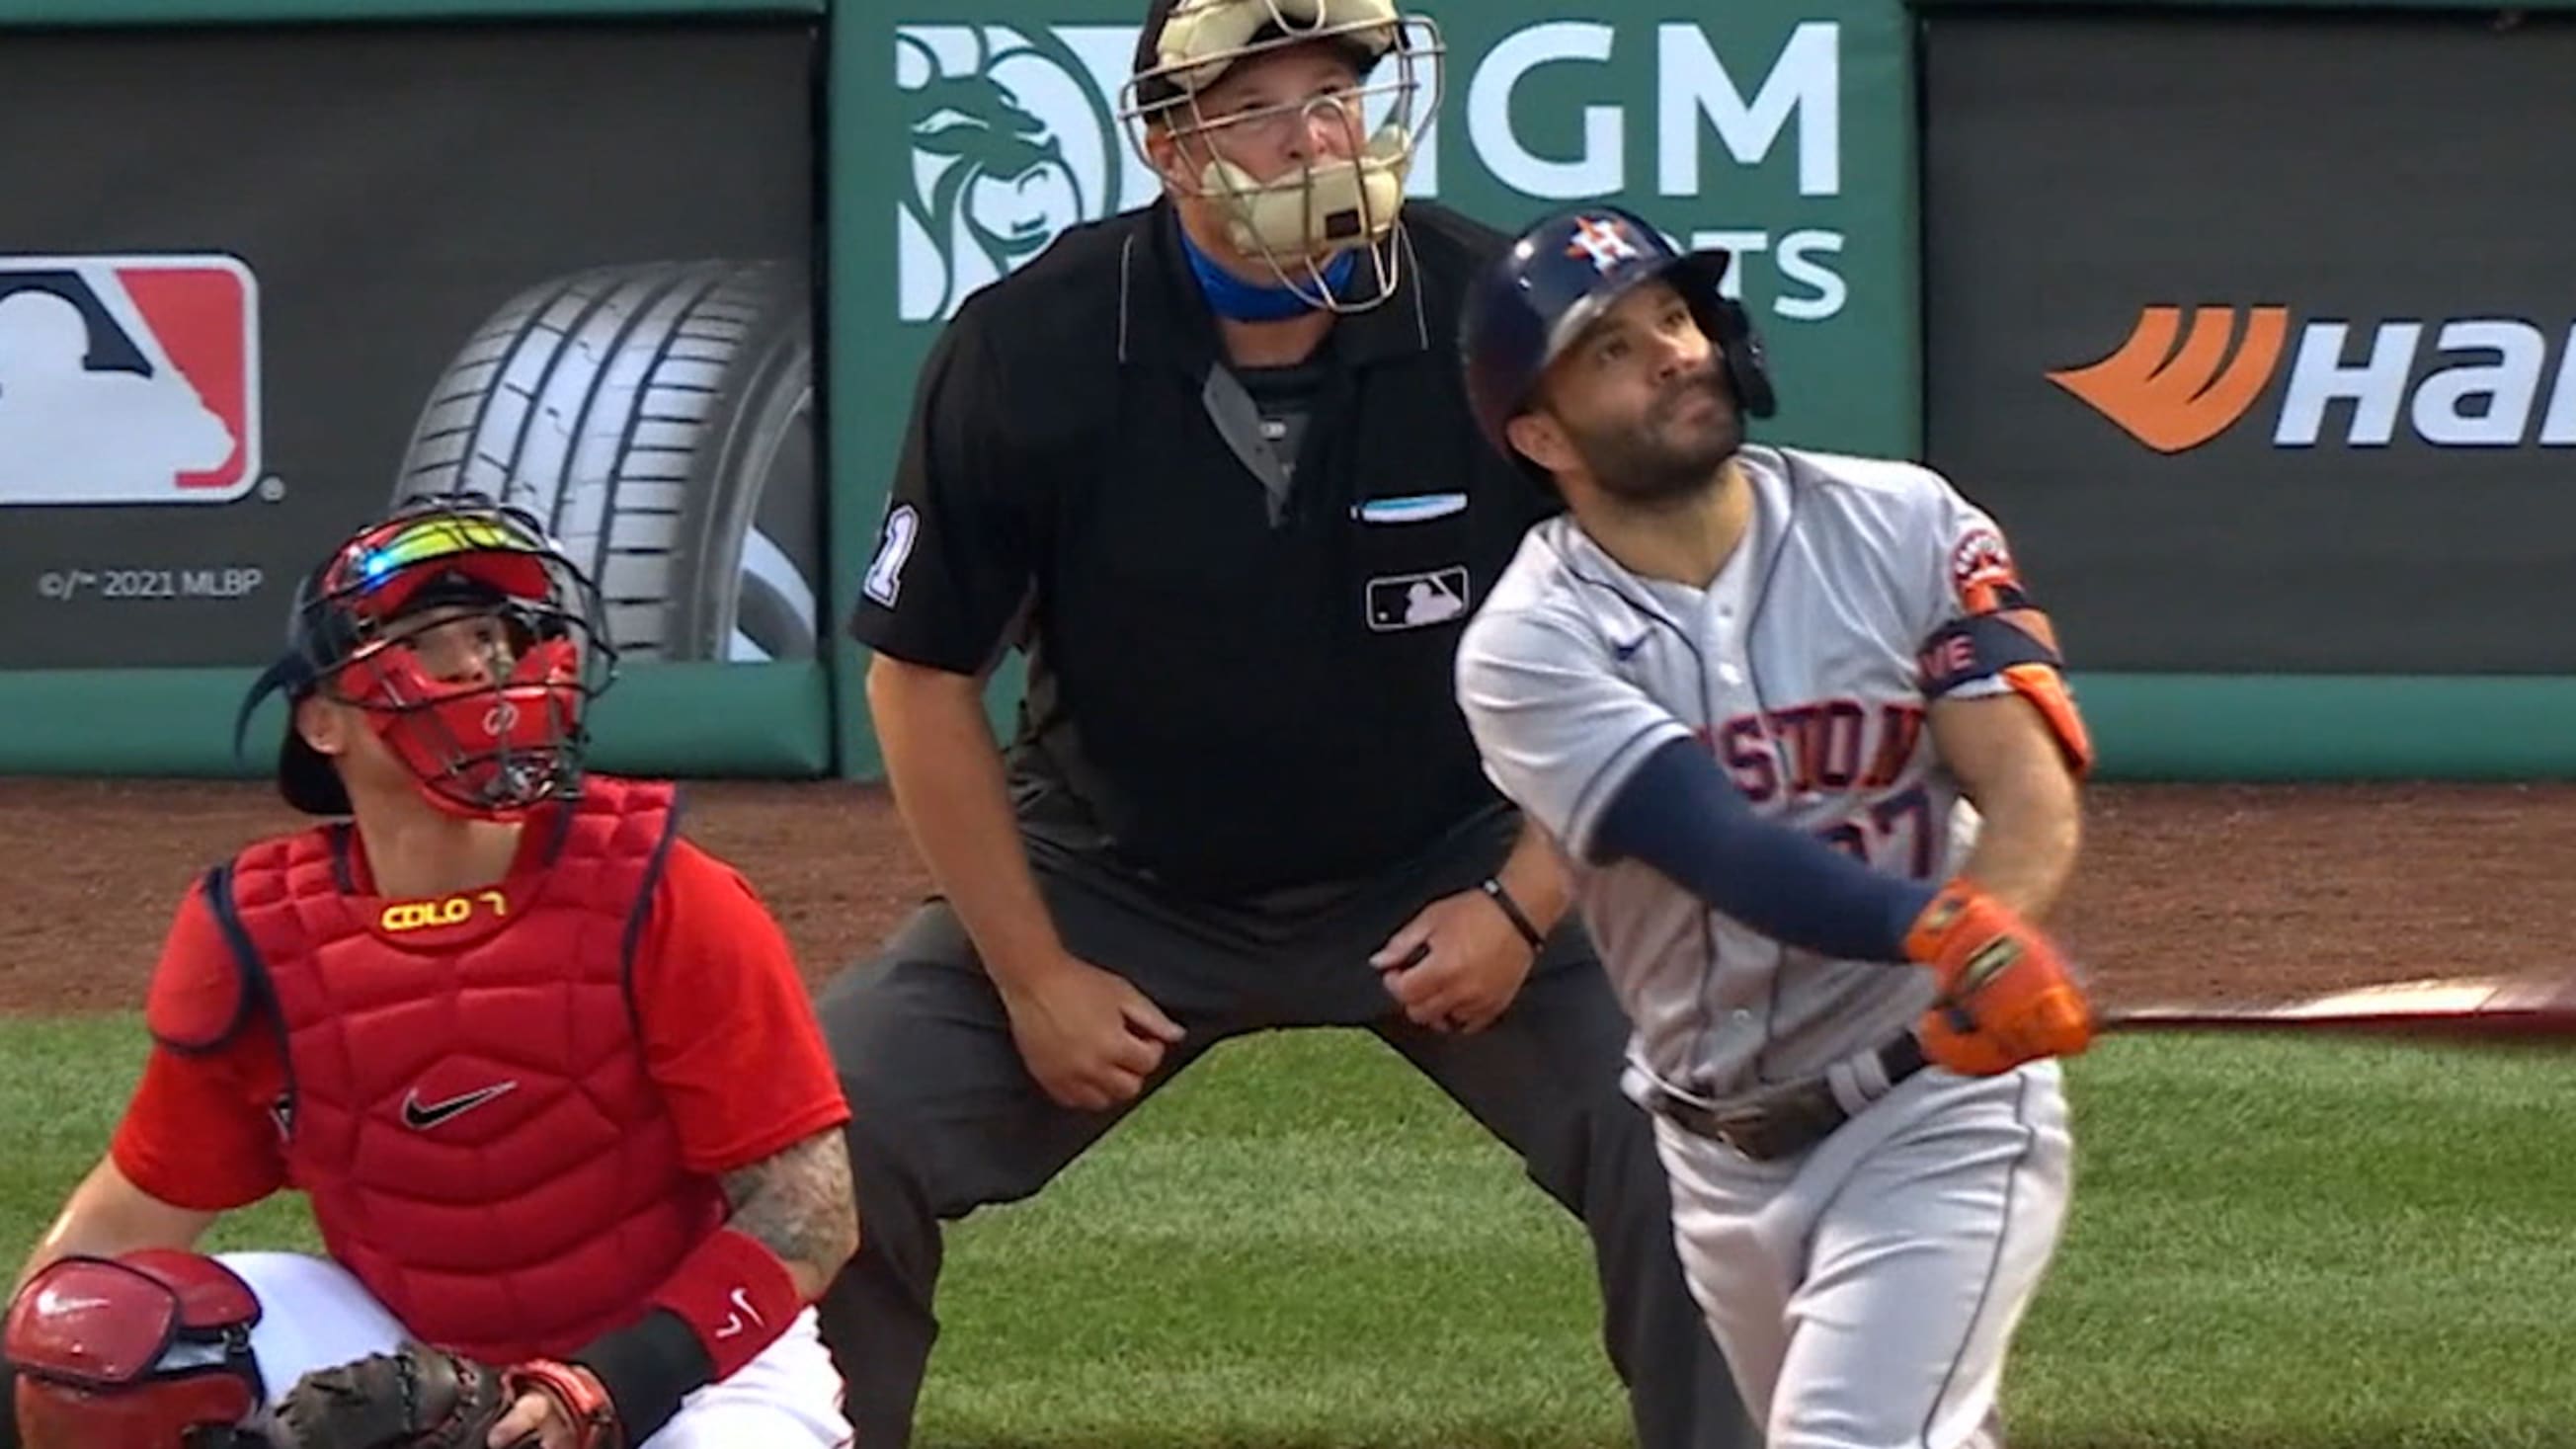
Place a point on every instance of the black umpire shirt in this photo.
(1240, 621)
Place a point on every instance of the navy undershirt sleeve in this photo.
(1679, 813)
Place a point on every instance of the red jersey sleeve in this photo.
(198, 1132)
(729, 1031)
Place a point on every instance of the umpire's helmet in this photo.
(1564, 272)
(1327, 208)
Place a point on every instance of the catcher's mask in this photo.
(472, 642)
(1298, 222)
(150, 1350)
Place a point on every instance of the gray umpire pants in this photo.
(946, 1118)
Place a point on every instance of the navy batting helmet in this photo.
(1565, 271)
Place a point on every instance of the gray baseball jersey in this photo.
(1798, 668)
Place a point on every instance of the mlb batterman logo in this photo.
(128, 379)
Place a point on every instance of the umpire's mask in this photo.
(1297, 222)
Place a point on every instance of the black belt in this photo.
(1788, 1120)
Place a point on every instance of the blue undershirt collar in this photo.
(1233, 297)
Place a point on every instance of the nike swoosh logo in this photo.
(420, 1116)
(1632, 646)
(733, 1321)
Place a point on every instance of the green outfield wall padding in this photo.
(763, 720)
(861, 115)
(2330, 727)
(2256, 728)
(254, 12)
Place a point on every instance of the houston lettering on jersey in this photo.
(1838, 746)
(1808, 749)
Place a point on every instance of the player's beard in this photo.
(1665, 457)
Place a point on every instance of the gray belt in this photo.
(1785, 1122)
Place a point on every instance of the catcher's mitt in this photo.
(418, 1398)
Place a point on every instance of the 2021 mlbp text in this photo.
(233, 582)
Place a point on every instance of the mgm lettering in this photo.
(1014, 139)
(1696, 97)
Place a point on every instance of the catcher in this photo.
(544, 1069)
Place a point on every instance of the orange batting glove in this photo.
(2007, 994)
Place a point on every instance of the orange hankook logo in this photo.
(2174, 398)
(2484, 382)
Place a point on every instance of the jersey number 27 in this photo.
(1907, 813)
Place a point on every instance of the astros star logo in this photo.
(1606, 242)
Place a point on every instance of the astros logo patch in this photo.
(1605, 240)
(1980, 565)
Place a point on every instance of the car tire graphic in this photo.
(660, 418)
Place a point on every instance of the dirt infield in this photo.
(2184, 890)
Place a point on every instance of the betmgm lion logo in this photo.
(1015, 138)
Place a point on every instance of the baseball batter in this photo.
(544, 1069)
(1803, 739)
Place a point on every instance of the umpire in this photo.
(1210, 463)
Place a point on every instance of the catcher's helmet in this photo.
(492, 743)
(1565, 271)
(148, 1350)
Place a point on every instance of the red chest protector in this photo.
(467, 1102)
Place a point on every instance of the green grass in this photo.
(2304, 1244)
(1300, 1243)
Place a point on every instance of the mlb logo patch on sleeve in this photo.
(130, 379)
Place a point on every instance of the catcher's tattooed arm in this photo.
(799, 1204)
